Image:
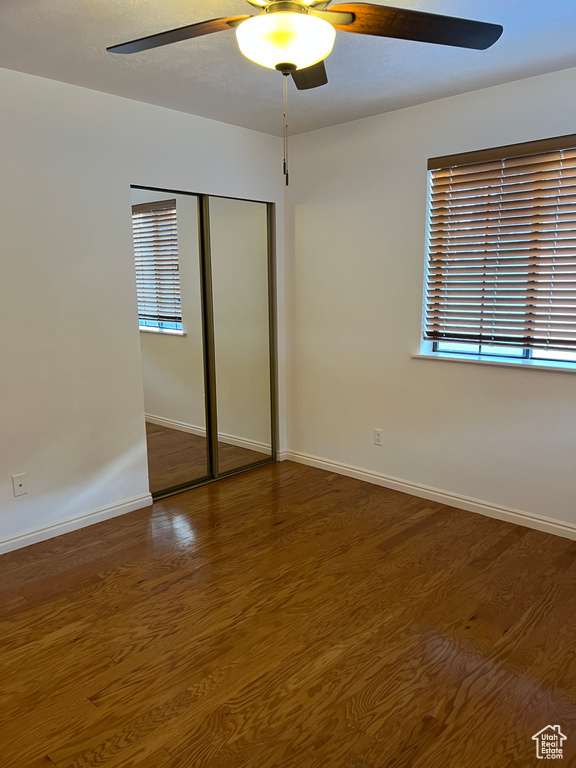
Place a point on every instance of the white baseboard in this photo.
(517, 516)
(181, 426)
(527, 519)
(239, 442)
(74, 523)
(242, 442)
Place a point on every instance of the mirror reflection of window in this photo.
(155, 231)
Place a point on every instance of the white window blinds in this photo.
(156, 257)
(502, 247)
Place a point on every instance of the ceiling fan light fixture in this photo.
(285, 37)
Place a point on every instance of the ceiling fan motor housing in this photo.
(291, 6)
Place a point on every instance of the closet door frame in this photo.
(208, 343)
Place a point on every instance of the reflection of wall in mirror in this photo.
(239, 243)
(172, 366)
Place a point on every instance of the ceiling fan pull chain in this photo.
(285, 79)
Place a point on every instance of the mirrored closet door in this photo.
(240, 309)
(167, 259)
(204, 274)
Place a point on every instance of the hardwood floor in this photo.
(288, 618)
(176, 457)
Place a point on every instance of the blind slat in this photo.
(528, 171)
(522, 190)
(494, 209)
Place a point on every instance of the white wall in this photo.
(355, 223)
(71, 399)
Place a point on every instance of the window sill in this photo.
(502, 362)
(162, 331)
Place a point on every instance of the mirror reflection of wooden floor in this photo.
(176, 457)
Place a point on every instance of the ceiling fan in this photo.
(295, 36)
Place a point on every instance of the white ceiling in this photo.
(66, 40)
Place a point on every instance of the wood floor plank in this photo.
(43, 726)
(39, 762)
(288, 617)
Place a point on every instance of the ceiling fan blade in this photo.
(175, 35)
(310, 77)
(402, 23)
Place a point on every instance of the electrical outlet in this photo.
(379, 437)
(19, 484)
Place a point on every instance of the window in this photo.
(156, 257)
(501, 278)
